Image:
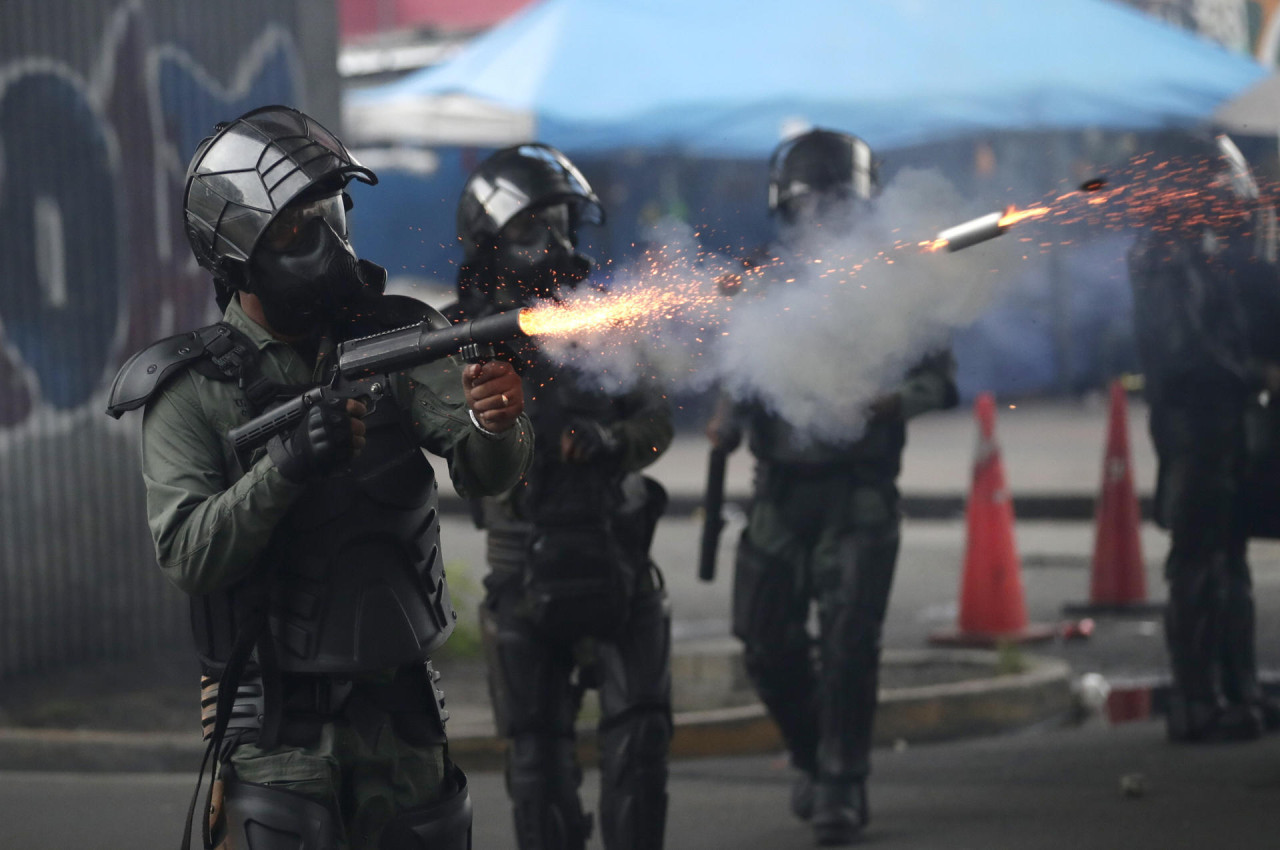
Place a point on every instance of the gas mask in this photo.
(835, 208)
(808, 222)
(536, 256)
(304, 270)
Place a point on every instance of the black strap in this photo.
(272, 692)
(229, 355)
(251, 630)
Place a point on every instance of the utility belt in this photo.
(805, 500)
(578, 581)
(774, 471)
(308, 701)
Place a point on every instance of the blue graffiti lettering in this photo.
(60, 298)
(192, 108)
(78, 209)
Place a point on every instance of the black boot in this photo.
(1269, 711)
(633, 781)
(1239, 660)
(839, 812)
(802, 795)
(1191, 721)
(542, 781)
(1194, 635)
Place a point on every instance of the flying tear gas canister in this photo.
(973, 231)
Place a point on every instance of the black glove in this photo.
(590, 441)
(726, 438)
(320, 443)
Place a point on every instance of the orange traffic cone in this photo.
(1118, 583)
(992, 607)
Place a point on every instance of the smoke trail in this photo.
(832, 321)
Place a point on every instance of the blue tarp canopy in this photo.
(724, 77)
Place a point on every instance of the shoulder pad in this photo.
(418, 311)
(145, 372)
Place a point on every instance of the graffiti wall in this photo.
(101, 104)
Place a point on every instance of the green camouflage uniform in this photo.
(210, 521)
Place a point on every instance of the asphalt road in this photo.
(1046, 790)
(1040, 790)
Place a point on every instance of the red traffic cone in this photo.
(992, 607)
(1118, 583)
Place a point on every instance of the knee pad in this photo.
(260, 817)
(542, 780)
(633, 782)
(539, 767)
(751, 571)
(637, 743)
(784, 665)
(529, 683)
(444, 825)
(769, 615)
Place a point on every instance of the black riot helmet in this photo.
(244, 175)
(518, 180)
(820, 164)
(1253, 227)
(1234, 175)
(1211, 198)
(518, 221)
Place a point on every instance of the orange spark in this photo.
(610, 312)
(1013, 215)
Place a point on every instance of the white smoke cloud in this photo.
(836, 324)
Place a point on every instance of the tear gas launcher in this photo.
(366, 364)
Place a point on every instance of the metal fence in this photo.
(101, 104)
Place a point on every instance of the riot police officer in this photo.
(313, 568)
(572, 601)
(1200, 280)
(823, 525)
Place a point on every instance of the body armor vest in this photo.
(560, 493)
(353, 580)
(563, 534)
(555, 494)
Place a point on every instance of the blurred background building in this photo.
(1064, 327)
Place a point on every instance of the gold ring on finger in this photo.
(504, 400)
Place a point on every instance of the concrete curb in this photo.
(923, 713)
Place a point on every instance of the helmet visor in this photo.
(533, 237)
(284, 231)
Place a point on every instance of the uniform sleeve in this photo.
(646, 432)
(207, 534)
(931, 385)
(480, 464)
